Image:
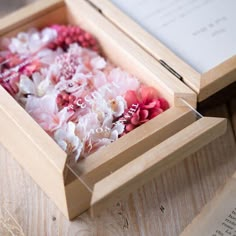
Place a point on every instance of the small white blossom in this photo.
(66, 138)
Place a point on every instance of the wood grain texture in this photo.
(155, 161)
(11, 5)
(164, 206)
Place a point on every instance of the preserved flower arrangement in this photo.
(80, 99)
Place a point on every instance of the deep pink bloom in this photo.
(143, 105)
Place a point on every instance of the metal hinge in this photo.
(171, 70)
(96, 7)
(163, 63)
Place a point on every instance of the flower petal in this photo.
(98, 62)
(62, 144)
(148, 94)
(143, 114)
(164, 104)
(129, 127)
(135, 119)
(150, 105)
(131, 98)
(26, 85)
(155, 113)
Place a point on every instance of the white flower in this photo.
(68, 141)
(118, 129)
(118, 106)
(31, 41)
(96, 134)
(77, 85)
(38, 86)
(87, 124)
(101, 107)
(48, 56)
(98, 79)
(98, 63)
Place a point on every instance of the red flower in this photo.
(143, 105)
(72, 34)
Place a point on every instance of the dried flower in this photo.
(45, 111)
(80, 99)
(143, 105)
(67, 139)
(30, 42)
(66, 35)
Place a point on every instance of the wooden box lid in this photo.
(204, 83)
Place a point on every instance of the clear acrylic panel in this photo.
(89, 177)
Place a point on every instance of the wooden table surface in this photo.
(164, 206)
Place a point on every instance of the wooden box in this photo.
(205, 84)
(124, 165)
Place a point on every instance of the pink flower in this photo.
(45, 111)
(143, 105)
(122, 82)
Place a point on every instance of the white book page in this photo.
(218, 217)
(201, 32)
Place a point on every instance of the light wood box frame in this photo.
(134, 158)
(204, 84)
